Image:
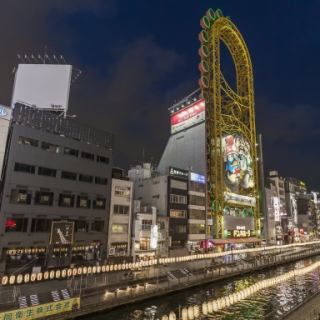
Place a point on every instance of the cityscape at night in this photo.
(158, 160)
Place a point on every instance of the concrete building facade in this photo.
(119, 233)
(55, 170)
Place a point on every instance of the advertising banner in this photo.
(188, 116)
(238, 166)
(42, 310)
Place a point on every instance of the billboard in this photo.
(188, 116)
(197, 177)
(62, 232)
(45, 86)
(238, 171)
(5, 113)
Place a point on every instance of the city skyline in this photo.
(143, 58)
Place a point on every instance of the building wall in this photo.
(120, 218)
(37, 157)
(5, 115)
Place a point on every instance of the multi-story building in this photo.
(149, 233)
(119, 233)
(272, 221)
(178, 195)
(293, 187)
(279, 186)
(55, 170)
(5, 116)
(186, 150)
(198, 224)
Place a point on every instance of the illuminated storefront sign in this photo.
(19, 251)
(178, 172)
(197, 177)
(188, 116)
(276, 208)
(62, 232)
(154, 237)
(239, 199)
(240, 232)
(42, 310)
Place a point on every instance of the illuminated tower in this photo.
(232, 171)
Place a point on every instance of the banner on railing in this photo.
(42, 310)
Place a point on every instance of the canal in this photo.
(271, 303)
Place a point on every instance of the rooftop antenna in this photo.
(34, 58)
(45, 55)
(62, 58)
(48, 58)
(55, 59)
(27, 58)
(20, 58)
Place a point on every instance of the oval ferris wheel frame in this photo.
(228, 111)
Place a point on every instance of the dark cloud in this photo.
(290, 135)
(131, 101)
(137, 57)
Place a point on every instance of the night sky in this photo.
(138, 57)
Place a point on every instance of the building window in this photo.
(181, 228)
(16, 225)
(177, 184)
(28, 141)
(196, 186)
(146, 225)
(70, 152)
(119, 228)
(66, 200)
(47, 172)
(40, 225)
(87, 155)
(85, 178)
(102, 159)
(99, 203)
(97, 226)
(197, 228)
(121, 191)
(68, 175)
(101, 180)
(81, 226)
(144, 243)
(196, 200)
(176, 198)
(22, 167)
(197, 214)
(49, 147)
(118, 209)
(83, 202)
(44, 198)
(178, 213)
(20, 196)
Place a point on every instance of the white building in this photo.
(119, 233)
(149, 233)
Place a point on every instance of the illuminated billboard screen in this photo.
(188, 116)
(238, 169)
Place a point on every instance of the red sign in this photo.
(188, 116)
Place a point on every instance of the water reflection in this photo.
(271, 303)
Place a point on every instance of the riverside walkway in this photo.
(101, 292)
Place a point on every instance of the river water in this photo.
(271, 303)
